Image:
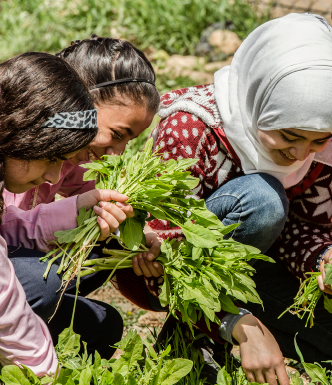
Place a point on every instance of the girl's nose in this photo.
(53, 172)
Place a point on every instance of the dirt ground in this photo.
(145, 322)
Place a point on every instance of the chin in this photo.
(19, 189)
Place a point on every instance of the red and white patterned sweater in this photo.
(191, 127)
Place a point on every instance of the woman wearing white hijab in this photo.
(280, 79)
(255, 133)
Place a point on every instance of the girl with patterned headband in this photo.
(121, 81)
(46, 117)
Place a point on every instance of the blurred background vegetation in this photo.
(158, 27)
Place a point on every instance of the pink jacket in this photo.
(24, 337)
(70, 183)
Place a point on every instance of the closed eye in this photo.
(322, 141)
(116, 135)
(284, 137)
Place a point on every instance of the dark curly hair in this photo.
(33, 87)
(101, 59)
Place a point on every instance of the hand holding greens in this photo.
(203, 273)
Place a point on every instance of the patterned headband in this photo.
(73, 120)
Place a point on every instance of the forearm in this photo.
(35, 228)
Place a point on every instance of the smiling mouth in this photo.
(92, 155)
(288, 157)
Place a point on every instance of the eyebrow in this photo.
(124, 128)
(300, 136)
(129, 131)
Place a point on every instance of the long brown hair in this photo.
(33, 87)
(101, 59)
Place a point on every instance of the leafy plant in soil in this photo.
(133, 367)
(203, 273)
(308, 296)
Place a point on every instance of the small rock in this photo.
(225, 41)
(215, 66)
(204, 48)
(199, 77)
(178, 61)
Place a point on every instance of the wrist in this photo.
(240, 328)
(324, 255)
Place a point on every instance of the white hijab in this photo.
(280, 77)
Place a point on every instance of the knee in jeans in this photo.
(274, 204)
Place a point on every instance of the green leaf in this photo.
(328, 274)
(204, 217)
(208, 312)
(68, 344)
(196, 253)
(85, 376)
(328, 303)
(131, 380)
(133, 347)
(223, 377)
(199, 236)
(90, 175)
(184, 164)
(97, 361)
(13, 375)
(227, 304)
(118, 379)
(172, 371)
(316, 373)
(67, 236)
(298, 351)
(164, 296)
(83, 214)
(106, 378)
(132, 233)
(152, 352)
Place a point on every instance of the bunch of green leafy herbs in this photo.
(153, 186)
(134, 367)
(198, 281)
(308, 296)
(203, 273)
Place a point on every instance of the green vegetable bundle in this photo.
(203, 273)
(197, 280)
(152, 185)
(308, 296)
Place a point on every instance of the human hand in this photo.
(261, 358)
(320, 279)
(110, 215)
(144, 263)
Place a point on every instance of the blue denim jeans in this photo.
(258, 202)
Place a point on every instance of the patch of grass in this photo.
(245, 16)
(172, 25)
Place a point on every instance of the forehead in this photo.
(125, 116)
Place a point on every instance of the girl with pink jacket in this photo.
(46, 116)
